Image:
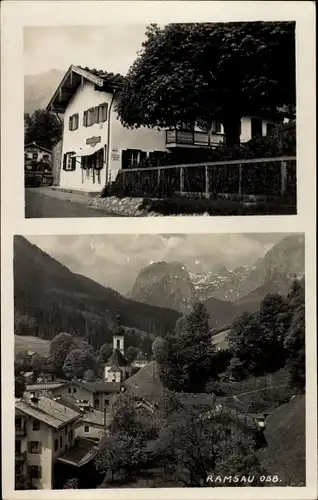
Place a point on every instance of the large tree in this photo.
(199, 72)
(43, 128)
(185, 358)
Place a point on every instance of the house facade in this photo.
(36, 156)
(95, 145)
(44, 429)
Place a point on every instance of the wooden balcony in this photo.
(190, 138)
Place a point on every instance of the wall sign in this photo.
(92, 141)
(115, 154)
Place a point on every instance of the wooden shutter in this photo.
(124, 158)
(64, 161)
(105, 111)
(30, 446)
(142, 157)
(85, 119)
(70, 123)
(76, 121)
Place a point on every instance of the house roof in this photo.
(47, 410)
(45, 386)
(83, 451)
(102, 80)
(94, 417)
(116, 360)
(97, 386)
(35, 145)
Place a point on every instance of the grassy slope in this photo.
(29, 343)
(285, 454)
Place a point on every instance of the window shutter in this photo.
(105, 109)
(85, 119)
(124, 158)
(29, 446)
(142, 157)
(64, 161)
(70, 123)
(76, 121)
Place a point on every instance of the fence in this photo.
(37, 179)
(265, 176)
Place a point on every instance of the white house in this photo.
(95, 144)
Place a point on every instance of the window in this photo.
(269, 127)
(98, 114)
(86, 428)
(69, 390)
(216, 127)
(56, 444)
(70, 435)
(256, 127)
(90, 117)
(18, 446)
(74, 390)
(61, 441)
(73, 122)
(106, 402)
(65, 430)
(35, 156)
(34, 447)
(102, 112)
(69, 161)
(36, 425)
(96, 403)
(118, 344)
(85, 401)
(35, 471)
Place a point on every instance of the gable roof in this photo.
(116, 360)
(96, 386)
(102, 80)
(48, 411)
(35, 145)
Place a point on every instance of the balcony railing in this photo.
(194, 138)
(20, 457)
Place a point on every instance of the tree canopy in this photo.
(43, 128)
(199, 72)
(185, 357)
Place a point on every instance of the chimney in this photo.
(34, 397)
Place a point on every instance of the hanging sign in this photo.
(92, 141)
(115, 154)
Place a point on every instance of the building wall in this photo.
(90, 430)
(120, 138)
(76, 392)
(57, 162)
(85, 98)
(67, 439)
(104, 400)
(41, 154)
(44, 458)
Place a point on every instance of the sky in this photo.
(112, 48)
(115, 260)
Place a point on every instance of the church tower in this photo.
(118, 336)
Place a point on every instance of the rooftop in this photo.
(80, 454)
(101, 79)
(44, 386)
(47, 410)
(34, 145)
(117, 360)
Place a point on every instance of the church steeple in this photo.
(118, 336)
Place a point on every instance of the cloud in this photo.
(115, 260)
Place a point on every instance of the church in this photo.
(117, 368)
